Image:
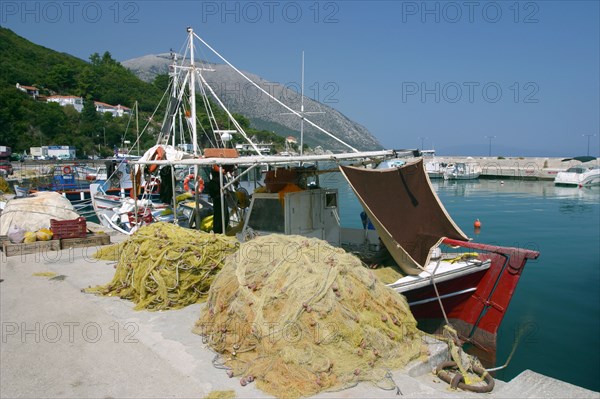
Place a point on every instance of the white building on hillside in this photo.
(76, 102)
(115, 110)
(31, 90)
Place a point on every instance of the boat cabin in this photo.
(310, 213)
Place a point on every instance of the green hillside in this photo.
(25, 122)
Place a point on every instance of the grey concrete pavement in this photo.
(61, 343)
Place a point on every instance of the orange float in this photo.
(186, 184)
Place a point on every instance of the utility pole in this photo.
(490, 146)
(588, 141)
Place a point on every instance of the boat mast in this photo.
(137, 127)
(193, 95)
(302, 108)
(194, 132)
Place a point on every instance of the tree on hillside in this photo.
(90, 123)
(52, 122)
(87, 82)
(161, 82)
(61, 78)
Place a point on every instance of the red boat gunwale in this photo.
(475, 304)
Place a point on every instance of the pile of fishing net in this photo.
(163, 266)
(299, 316)
(4, 187)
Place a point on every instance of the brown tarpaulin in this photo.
(406, 212)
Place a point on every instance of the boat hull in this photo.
(589, 178)
(453, 176)
(435, 175)
(474, 304)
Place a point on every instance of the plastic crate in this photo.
(75, 228)
(144, 216)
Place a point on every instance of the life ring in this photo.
(457, 381)
(158, 155)
(186, 184)
(67, 170)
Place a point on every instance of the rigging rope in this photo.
(275, 99)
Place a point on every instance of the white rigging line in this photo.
(150, 118)
(235, 123)
(209, 112)
(275, 99)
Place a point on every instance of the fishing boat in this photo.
(435, 169)
(70, 182)
(446, 278)
(579, 175)
(462, 171)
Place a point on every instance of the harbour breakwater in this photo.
(523, 168)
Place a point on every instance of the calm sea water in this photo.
(556, 307)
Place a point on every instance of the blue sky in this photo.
(443, 73)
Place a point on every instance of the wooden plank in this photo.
(30, 248)
(89, 241)
(220, 153)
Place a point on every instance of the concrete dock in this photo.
(530, 168)
(61, 343)
(520, 168)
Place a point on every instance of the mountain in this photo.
(264, 113)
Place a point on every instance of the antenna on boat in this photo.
(302, 113)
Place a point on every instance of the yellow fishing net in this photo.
(4, 187)
(163, 266)
(299, 316)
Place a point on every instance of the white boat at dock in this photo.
(582, 175)
(462, 171)
(435, 169)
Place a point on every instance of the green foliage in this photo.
(161, 82)
(25, 122)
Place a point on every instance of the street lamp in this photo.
(490, 146)
(588, 141)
